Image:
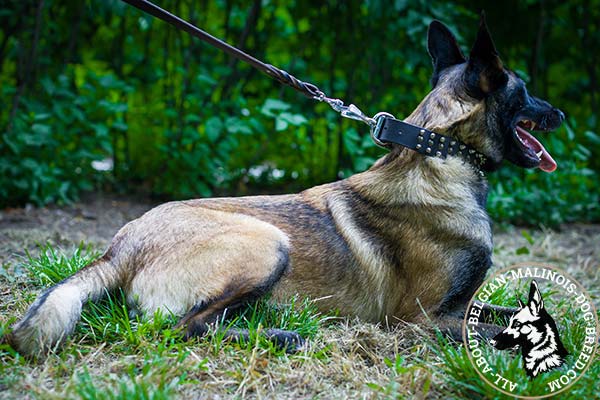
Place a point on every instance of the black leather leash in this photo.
(308, 89)
(385, 129)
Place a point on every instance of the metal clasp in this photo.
(353, 112)
(350, 111)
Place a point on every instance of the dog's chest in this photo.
(416, 256)
(466, 241)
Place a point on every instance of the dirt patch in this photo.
(94, 221)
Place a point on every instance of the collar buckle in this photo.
(379, 119)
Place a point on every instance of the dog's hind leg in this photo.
(197, 262)
(198, 320)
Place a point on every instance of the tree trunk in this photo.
(29, 63)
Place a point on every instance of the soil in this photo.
(92, 221)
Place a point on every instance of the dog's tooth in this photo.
(539, 154)
(532, 125)
(519, 137)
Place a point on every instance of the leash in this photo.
(385, 128)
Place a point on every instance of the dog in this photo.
(534, 331)
(408, 239)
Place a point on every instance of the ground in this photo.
(344, 359)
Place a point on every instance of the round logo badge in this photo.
(531, 331)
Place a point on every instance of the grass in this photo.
(114, 354)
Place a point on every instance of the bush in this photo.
(109, 96)
(55, 137)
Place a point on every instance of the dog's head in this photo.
(526, 326)
(484, 104)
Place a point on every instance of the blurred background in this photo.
(97, 96)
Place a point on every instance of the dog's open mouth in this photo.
(531, 147)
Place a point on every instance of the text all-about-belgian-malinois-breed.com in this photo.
(407, 238)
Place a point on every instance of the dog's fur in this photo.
(408, 236)
(534, 331)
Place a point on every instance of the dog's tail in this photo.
(52, 317)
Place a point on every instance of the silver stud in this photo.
(442, 139)
(418, 146)
(430, 142)
(432, 136)
(422, 131)
(471, 151)
(462, 147)
(420, 138)
(452, 142)
(441, 146)
(428, 150)
(438, 154)
(460, 153)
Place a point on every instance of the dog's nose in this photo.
(493, 342)
(561, 115)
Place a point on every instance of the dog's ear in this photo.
(485, 72)
(443, 49)
(535, 303)
(520, 303)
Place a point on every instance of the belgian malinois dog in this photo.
(409, 237)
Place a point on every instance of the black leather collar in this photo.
(426, 142)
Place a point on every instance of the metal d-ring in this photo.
(376, 128)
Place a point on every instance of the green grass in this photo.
(52, 266)
(111, 319)
(159, 349)
(114, 354)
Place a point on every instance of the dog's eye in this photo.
(517, 325)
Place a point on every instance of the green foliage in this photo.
(56, 135)
(93, 81)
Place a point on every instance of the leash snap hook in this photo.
(350, 111)
(355, 113)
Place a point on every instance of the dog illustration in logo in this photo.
(534, 331)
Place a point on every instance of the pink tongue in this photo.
(547, 163)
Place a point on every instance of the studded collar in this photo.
(426, 142)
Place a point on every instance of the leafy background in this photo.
(99, 96)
